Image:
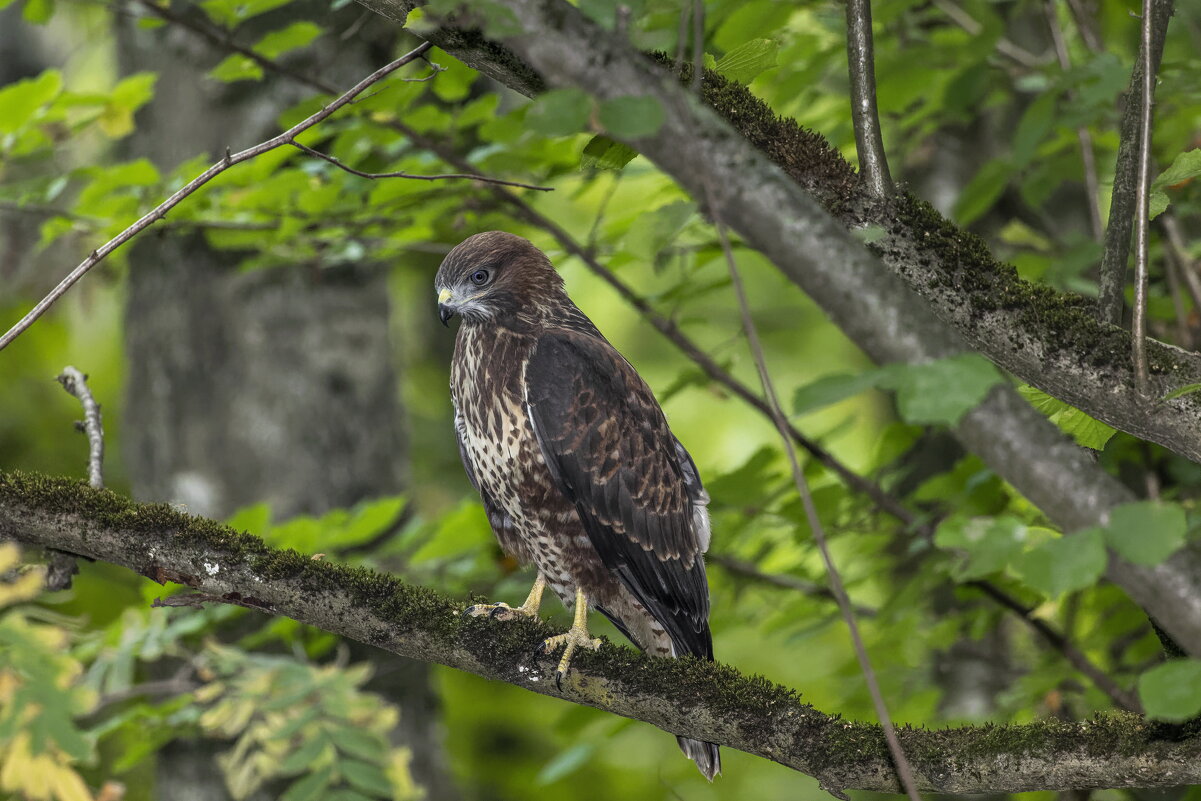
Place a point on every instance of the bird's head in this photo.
(495, 276)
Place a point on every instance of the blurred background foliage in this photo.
(982, 114)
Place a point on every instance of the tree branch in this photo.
(869, 143)
(1142, 223)
(1112, 280)
(160, 211)
(689, 697)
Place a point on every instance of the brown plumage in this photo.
(573, 459)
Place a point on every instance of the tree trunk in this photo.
(273, 386)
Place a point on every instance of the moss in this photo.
(961, 260)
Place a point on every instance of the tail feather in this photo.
(647, 633)
(707, 756)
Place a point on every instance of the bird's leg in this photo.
(502, 611)
(575, 637)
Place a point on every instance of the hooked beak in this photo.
(445, 309)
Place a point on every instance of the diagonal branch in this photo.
(160, 211)
(689, 697)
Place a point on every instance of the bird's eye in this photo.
(480, 277)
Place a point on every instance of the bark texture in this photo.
(690, 697)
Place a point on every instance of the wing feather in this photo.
(609, 449)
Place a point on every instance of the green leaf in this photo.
(1146, 532)
(749, 59)
(230, 13)
(559, 112)
(236, 67)
(831, 389)
(1157, 203)
(368, 778)
(1062, 565)
(941, 391)
(652, 232)
(1172, 691)
(298, 34)
(38, 12)
(602, 153)
(365, 745)
(127, 97)
(1087, 431)
(982, 191)
(1037, 121)
(1184, 167)
(20, 101)
(311, 787)
(987, 545)
(631, 117)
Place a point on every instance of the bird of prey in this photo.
(573, 459)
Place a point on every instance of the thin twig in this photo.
(1091, 184)
(1005, 47)
(740, 567)
(869, 142)
(401, 174)
(900, 762)
(76, 384)
(1184, 335)
(698, 44)
(1138, 326)
(1084, 25)
(1188, 267)
(1122, 697)
(216, 169)
(1111, 282)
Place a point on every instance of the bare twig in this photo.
(900, 762)
(1091, 184)
(698, 44)
(1184, 334)
(1005, 47)
(1138, 326)
(740, 567)
(76, 383)
(869, 142)
(60, 565)
(1188, 267)
(1123, 201)
(216, 169)
(1085, 25)
(1122, 697)
(401, 174)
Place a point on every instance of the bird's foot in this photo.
(575, 637)
(500, 611)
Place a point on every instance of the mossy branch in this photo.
(707, 701)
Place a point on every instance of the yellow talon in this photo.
(575, 637)
(502, 611)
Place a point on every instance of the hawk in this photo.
(573, 459)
